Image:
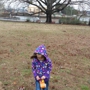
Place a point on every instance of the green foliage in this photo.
(84, 87)
(69, 11)
(26, 72)
(28, 44)
(12, 51)
(71, 20)
(22, 53)
(6, 83)
(65, 70)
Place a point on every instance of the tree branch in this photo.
(55, 10)
(35, 5)
(56, 3)
(41, 4)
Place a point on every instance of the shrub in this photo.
(27, 20)
(70, 20)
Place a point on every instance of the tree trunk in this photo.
(89, 22)
(48, 18)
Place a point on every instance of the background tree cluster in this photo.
(70, 11)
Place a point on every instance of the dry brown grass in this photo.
(68, 46)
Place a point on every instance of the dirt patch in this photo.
(1, 86)
(3, 51)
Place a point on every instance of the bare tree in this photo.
(1, 7)
(47, 6)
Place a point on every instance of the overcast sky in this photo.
(15, 5)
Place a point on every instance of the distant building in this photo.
(33, 9)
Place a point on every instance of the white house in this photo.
(33, 9)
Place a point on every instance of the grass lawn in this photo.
(68, 46)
